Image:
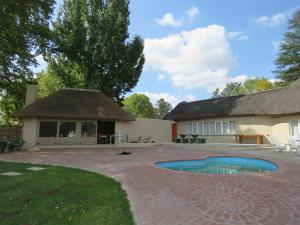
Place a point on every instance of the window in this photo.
(67, 129)
(218, 128)
(232, 127)
(200, 130)
(206, 128)
(88, 129)
(48, 129)
(295, 128)
(189, 128)
(225, 128)
(195, 129)
(212, 128)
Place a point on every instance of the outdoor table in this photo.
(182, 137)
(194, 136)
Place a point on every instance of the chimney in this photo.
(31, 93)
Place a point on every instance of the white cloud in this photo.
(168, 19)
(190, 98)
(154, 97)
(276, 45)
(271, 21)
(274, 80)
(192, 12)
(173, 100)
(200, 58)
(237, 35)
(161, 77)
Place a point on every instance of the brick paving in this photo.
(164, 197)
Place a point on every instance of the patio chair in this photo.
(16, 145)
(147, 140)
(278, 147)
(295, 146)
(3, 145)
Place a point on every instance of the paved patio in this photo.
(163, 197)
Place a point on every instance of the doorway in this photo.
(104, 130)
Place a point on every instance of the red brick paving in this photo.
(163, 197)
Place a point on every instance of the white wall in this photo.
(30, 127)
(160, 131)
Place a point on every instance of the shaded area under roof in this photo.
(277, 102)
(75, 104)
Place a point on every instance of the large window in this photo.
(48, 129)
(212, 128)
(295, 128)
(67, 129)
(206, 129)
(218, 128)
(200, 128)
(231, 127)
(189, 128)
(88, 129)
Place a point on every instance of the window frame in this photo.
(63, 121)
(48, 121)
(81, 125)
(291, 127)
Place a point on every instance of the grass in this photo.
(60, 196)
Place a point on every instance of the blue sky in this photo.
(192, 47)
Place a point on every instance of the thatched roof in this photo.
(277, 102)
(75, 104)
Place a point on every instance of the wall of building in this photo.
(244, 125)
(281, 127)
(30, 132)
(158, 130)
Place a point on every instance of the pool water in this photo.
(221, 165)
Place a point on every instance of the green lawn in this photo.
(60, 196)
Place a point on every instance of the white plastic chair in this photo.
(295, 146)
(278, 147)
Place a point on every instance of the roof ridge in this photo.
(80, 89)
(241, 95)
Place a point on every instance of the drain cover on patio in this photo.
(36, 168)
(11, 173)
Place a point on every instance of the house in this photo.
(81, 116)
(221, 120)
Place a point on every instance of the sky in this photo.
(193, 47)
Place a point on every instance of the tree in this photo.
(93, 35)
(288, 60)
(248, 87)
(48, 83)
(163, 108)
(24, 34)
(139, 105)
(233, 88)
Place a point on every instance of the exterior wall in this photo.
(281, 127)
(30, 132)
(244, 125)
(159, 131)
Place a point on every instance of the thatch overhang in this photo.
(278, 102)
(75, 104)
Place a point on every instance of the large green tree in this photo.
(248, 87)
(139, 105)
(24, 34)
(162, 108)
(288, 61)
(93, 35)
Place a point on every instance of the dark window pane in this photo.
(48, 129)
(67, 129)
(88, 129)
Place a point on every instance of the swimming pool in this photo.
(221, 165)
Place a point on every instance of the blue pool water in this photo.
(221, 165)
